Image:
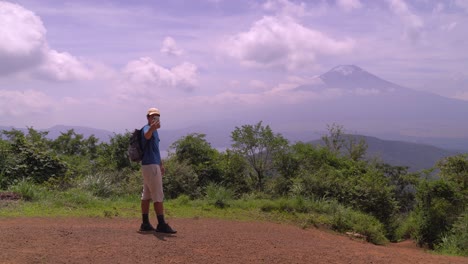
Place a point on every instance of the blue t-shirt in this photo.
(151, 148)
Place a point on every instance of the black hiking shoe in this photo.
(146, 227)
(165, 228)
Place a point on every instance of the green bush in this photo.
(438, 206)
(27, 189)
(180, 178)
(456, 241)
(218, 196)
(368, 226)
(99, 184)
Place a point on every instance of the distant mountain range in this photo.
(399, 153)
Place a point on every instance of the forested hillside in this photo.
(415, 156)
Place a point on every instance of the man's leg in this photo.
(159, 210)
(145, 204)
(162, 227)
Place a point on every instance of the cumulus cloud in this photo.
(282, 42)
(413, 24)
(349, 5)
(24, 48)
(23, 38)
(144, 76)
(170, 47)
(18, 103)
(62, 67)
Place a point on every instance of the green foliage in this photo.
(236, 174)
(113, 155)
(218, 196)
(357, 186)
(404, 184)
(179, 179)
(343, 219)
(27, 189)
(438, 206)
(99, 184)
(366, 226)
(337, 142)
(456, 241)
(260, 146)
(198, 153)
(29, 160)
(455, 169)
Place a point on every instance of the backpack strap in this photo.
(147, 141)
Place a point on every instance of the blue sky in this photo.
(103, 63)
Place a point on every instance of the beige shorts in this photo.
(152, 183)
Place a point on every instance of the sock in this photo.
(160, 219)
(145, 218)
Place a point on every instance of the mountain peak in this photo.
(353, 77)
(346, 69)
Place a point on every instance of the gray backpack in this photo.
(135, 151)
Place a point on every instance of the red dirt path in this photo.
(100, 240)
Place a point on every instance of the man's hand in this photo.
(163, 170)
(155, 125)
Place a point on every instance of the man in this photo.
(152, 170)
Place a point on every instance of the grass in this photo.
(298, 211)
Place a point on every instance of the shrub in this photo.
(438, 206)
(456, 241)
(99, 184)
(218, 195)
(180, 179)
(27, 189)
(346, 219)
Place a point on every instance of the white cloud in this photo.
(170, 47)
(24, 48)
(282, 42)
(258, 85)
(145, 77)
(22, 37)
(62, 67)
(349, 5)
(413, 24)
(20, 103)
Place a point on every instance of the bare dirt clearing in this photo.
(100, 240)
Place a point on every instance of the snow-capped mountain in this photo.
(367, 104)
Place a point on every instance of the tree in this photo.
(404, 184)
(29, 159)
(438, 207)
(69, 143)
(455, 169)
(259, 145)
(336, 140)
(235, 172)
(198, 153)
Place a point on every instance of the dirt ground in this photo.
(100, 240)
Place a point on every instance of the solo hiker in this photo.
(153, 171)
